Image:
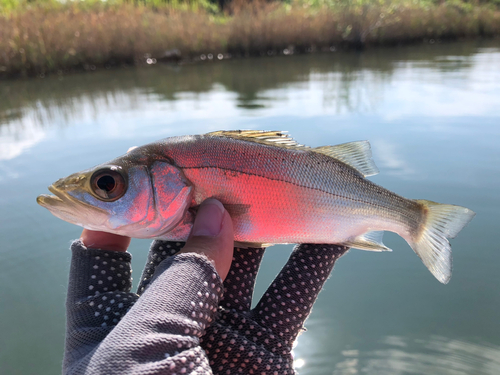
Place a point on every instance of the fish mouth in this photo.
(64, 205)
(61, 204)
(48, 201)
(68, 208)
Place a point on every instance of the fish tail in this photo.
(430, 241)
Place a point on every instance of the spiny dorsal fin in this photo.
(371, 241)
(355, 154)
(273, 137)
(358, 154)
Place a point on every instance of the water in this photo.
(432, 114)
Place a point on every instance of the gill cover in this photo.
(172, 195)
(153, 203)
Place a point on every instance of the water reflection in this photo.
(300, 86)
(431, 114)
(433, 355)
(390, 157)
(18, 136)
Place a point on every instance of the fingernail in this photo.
(208, 221)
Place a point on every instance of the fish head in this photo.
(132, 196)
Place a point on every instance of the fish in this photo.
(276, 191)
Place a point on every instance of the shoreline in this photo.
(39, 41)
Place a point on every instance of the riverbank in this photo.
(40, 39)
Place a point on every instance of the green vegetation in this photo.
(43, 36)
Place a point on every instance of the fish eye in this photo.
(108, 184)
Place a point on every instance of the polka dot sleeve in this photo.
(113, 331)
(243, 340)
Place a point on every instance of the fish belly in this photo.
(267, 210)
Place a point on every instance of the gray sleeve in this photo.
(112, 331)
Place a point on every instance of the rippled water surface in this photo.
(432, 114)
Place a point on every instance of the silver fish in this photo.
(275, 190)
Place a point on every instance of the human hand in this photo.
(158, 330)
(259, 340)
(212, 236)
(240, 340)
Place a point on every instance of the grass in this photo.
(46, 36)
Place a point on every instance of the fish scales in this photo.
(275, 190)
(304, 170)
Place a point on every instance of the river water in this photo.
(432, 114)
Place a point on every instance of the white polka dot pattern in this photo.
(160, 334)
(259, 341)
(158, 252)
(181, 323)
(289, 299)
(99, 293)
(240, 281)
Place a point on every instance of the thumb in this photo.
(212, 236)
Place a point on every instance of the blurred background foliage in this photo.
(55, 36)
(215, 6)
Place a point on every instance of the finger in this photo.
(98, 291)
(240, 282)
(243, 347)
(212, 236)
(104, 240)
(158, 252)
(289, 300)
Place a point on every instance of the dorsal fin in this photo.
(273, 137)
(358, 154)
(355, 154)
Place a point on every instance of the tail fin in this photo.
(431, 245)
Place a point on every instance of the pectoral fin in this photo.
(371, 241)
(236, 210)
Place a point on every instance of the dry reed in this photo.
(41, 40)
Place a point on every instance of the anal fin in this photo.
(370, 241)
(254, 245)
